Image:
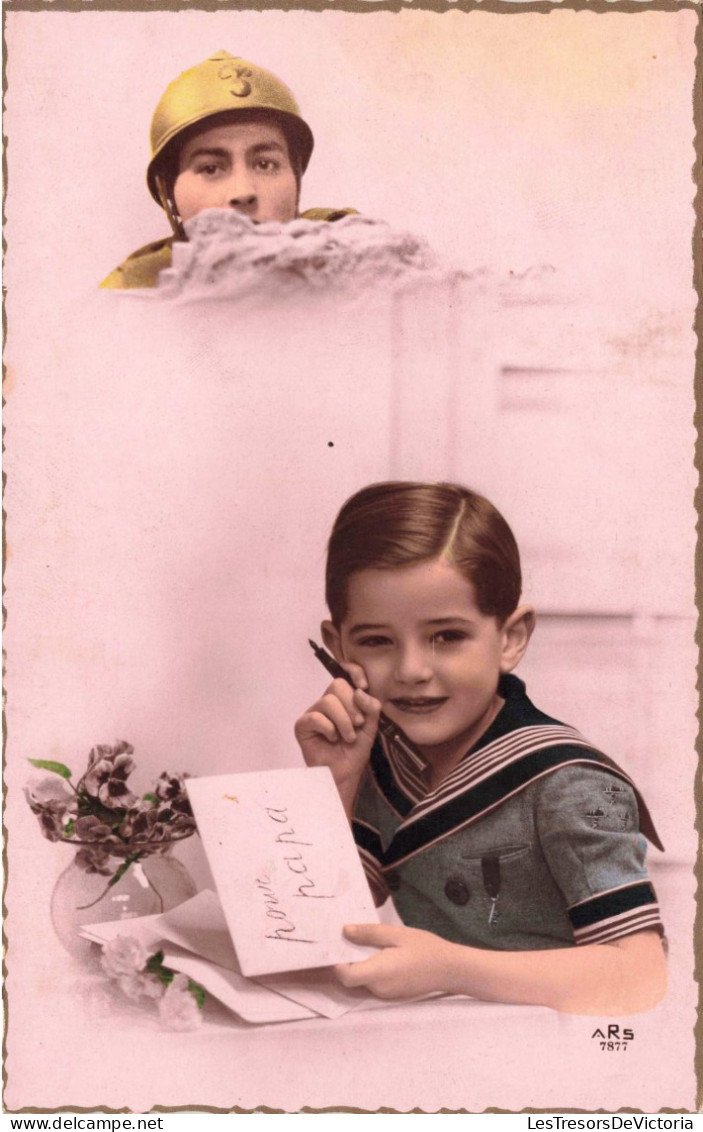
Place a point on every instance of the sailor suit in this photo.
(533, 841)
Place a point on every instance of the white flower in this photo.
(140, 985)
(152, 987)
(178, 1009)
(124, 955)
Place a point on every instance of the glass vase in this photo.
(153, 884)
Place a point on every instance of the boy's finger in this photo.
(346, 694)
(356, 974)
(369, 706)
(314, 723)
(331, 706)
(357, 674)
(374, 935)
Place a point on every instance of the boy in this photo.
(510, 845)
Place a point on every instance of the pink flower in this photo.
(107, 773)
(51, 789)
(53, 803)
(122, 956)
(90, 828)
(170, 789)
(178, 1009)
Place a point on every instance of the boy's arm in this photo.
(625, 976)
(338, 731)
(597, 864)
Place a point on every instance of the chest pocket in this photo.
(495, 870)
(500, 852)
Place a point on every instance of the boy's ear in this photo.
(332, 639)
(517, 631)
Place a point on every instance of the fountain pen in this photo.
(386, 726)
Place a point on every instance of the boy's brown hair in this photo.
(395, 524)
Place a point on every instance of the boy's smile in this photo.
(245, 166)
(418, 705)
(430, 656)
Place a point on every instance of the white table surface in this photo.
(454, 1054)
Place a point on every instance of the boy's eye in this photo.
(373, 642)
(449, 636)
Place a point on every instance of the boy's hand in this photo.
(412, 962)
(339, 729)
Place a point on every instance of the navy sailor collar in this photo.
(521, 745)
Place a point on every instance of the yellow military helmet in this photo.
(223, 82)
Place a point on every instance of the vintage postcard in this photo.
(257, 261)
(300, 878)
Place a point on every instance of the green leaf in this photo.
(55, 768)
(155, 961)
(198, 992)
(151, 798)
(70, 828)
(155, 966)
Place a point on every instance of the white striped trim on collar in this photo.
(474, 768)
(407, 775)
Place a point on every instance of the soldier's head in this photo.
(228, 134)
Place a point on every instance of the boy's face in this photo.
(430, 656)
(245, 166)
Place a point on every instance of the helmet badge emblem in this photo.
(238, 76)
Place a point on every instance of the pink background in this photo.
(170, 476)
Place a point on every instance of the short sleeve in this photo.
(588, 826)
(366, 828)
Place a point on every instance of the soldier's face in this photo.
(245, 166)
